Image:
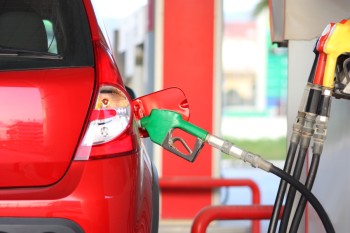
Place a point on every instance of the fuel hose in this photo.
(309, 100)
(323, 112)
(257, 162)
(292, 191)
(328, 226)
(282, 188)
(302, 202)
(306, 135)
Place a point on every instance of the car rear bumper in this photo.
(38, 225)
(107, 195)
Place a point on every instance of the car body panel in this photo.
(43, 113)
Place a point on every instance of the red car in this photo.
(71, 160)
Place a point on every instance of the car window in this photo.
(44, 34)
(51, 40)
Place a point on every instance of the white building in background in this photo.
(244, 65)
(126, 23)
(131, 46)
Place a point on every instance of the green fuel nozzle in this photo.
(160, 125)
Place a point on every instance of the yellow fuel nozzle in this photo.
(336, 44)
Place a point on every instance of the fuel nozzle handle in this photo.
(160, 125)
(336, 44)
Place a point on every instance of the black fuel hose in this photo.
(308, 184)
(319, 136)
(328, 226)
(292, 191)
(258, 162)
(309, 99)
(311, 109)
(282, 188)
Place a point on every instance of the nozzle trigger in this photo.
(191, 155)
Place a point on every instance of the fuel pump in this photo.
(331, 51)
(336, 48)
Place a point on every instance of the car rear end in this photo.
(70, 156)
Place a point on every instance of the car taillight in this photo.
(110, 117)
(109, 131)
